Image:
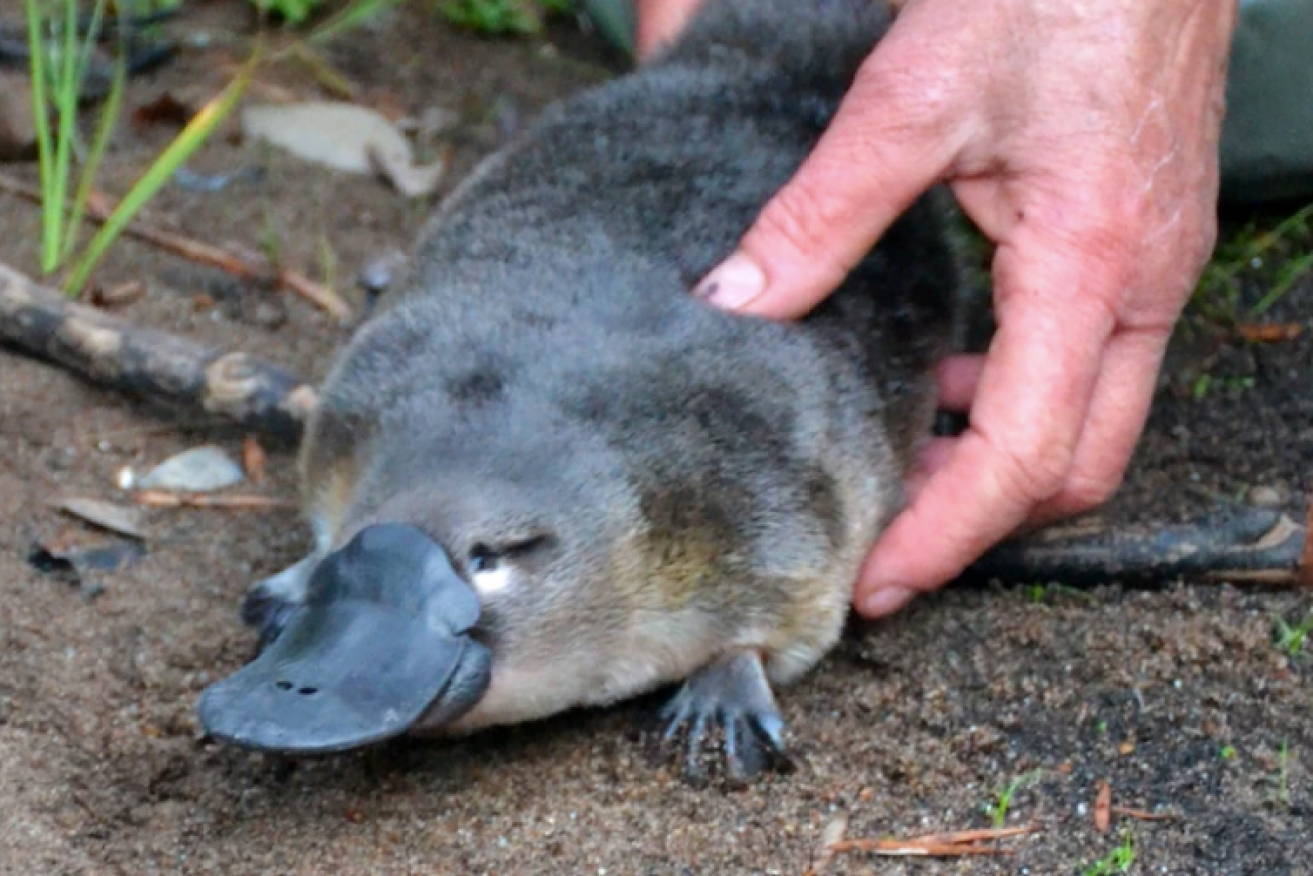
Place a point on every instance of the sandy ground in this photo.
(1175, 695)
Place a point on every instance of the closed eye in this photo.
(488, 558)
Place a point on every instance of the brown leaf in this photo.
(253, 459)
(116, 296)
(1269, 332)
(106, 515)
(1103, 808)
(163, 110)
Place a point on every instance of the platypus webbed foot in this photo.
(733, 696)
(269, 604)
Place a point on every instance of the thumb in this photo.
(889, 142)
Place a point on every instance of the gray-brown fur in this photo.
(700, 483)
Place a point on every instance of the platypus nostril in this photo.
(307, 691)
(283, 685)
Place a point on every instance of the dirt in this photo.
(1175, 694)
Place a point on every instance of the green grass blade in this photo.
(1291, 274)
(84, 56)
(66, 89)
(109, 115)
(40, 108)
(188, 141)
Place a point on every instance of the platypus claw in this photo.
(270, 604)
(734, 696)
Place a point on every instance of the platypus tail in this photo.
(818, 40)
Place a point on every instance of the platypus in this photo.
(546, 475)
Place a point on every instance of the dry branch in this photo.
(1237, 545)
(149, 364)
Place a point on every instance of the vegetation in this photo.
(1119, 860)
(1274, 258)
(1290, 639)
(501, 17)
(998, 810)
(60, 62)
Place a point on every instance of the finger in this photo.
(958, 379)
(1027, 417)
(893, 136)
(1118, 411)
(932, 457)
(659, 22)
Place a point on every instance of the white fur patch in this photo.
(492, 581)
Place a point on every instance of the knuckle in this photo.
(800, 218)
(1082, 493)
(1030, 476)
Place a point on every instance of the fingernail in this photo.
(886, 601)
(735, 283)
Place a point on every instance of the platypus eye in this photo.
(486, 558)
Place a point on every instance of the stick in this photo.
(1237, 544)
(99, 208)
(162, 499)
(151, 364)
(938, 845)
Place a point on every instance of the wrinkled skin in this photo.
(1081, 138)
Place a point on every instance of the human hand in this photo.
(1081, 138)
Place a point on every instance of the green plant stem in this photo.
(188, 141)
(38, 61)
(66, 99)
(109, 115)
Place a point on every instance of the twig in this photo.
(936, 845)
(161, 499)
(1142, 815)
(100, 207)
(150, 364)
(1237, 545)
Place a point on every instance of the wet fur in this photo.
(703, 483)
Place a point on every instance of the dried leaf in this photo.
(83, 559)
(106, 515)
(831, 835)
(1103, 808)
(337, 135)
(1269, 333)
(198, 470)
(117, 296)
(411, 181)
(254, 459)
(165, 109)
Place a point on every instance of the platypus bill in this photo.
(546, 476)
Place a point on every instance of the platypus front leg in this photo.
(734, 695)
(269, 603)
